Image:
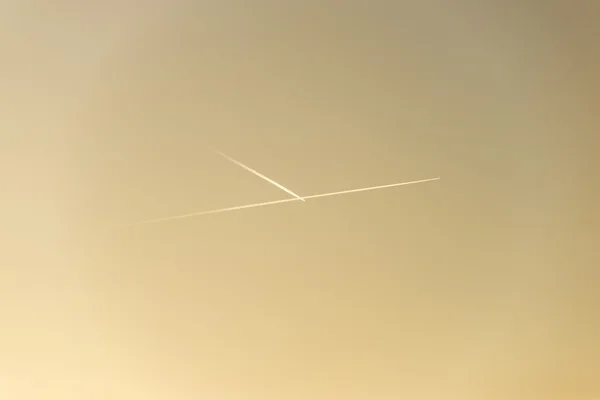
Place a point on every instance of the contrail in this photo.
(257, 174)
(269, 203)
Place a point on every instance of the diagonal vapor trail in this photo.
(271, 181)
(269, 203)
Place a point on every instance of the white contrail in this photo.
(268, 203)
(271, 181)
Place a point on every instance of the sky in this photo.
(481, 285)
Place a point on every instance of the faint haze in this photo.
(482, 285)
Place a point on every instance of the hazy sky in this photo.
(483, 285)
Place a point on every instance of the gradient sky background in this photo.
(483, 285)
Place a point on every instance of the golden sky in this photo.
(482, 285)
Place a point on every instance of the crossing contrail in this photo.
(247, 168)
(269, 203)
